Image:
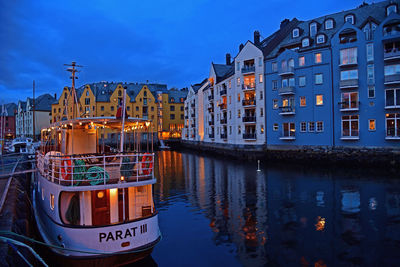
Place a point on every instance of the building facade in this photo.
(7, 125)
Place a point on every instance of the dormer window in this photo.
(295, 33)
(329, 24)
(305, 42)
(320, 39)
(391, 9)
(313, 29)
(349, 19)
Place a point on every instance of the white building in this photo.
(24, 117)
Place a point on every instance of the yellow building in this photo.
(149, 101)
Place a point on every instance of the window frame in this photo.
(307, 44)
(320, 126)
(315, 78)
(311, 127)
(303, 127)
(329, 20)
(369, 125)
(349, 16)
(295, 35)
(322, 99)
(316, 58)
(323, 39)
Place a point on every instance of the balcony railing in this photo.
(349, 106)
(287, 111)
(249, 119)
(211, 122)
(347, 84)
(249, 136)
(223, 121)
(249, 102)
(193, 105)
(392, 79)
(210, 97)
(222, 92)
(193, 115)
(250, 86)
(391, 54)
(94, 169)
(286, 71)
(289, 90)
(348, 64)
(248, 69)
(211, 135)
(222, 106)
(224, 136)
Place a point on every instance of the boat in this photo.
(22, 145)
(92, 196)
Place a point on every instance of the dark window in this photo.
(181, 108)
(172, 108)
(102, 108)
(87, 101)
(172, 116)
(112, 108)
(137, 108)
(145, 93)
(181, 116)
(152, 108)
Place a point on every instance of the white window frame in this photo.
(311, 127)
(372, 90)
(316, 56)
(303, 127)
(275, 82)
(305, 42)
(291, 129)
(295, 33)
(320, 126)
(370, 48)
(320, 41)
(305, 81)
(326, 24)
(304, 61)
(275, 101)
(351, 119)
(313, 25)
(322, 78)
(388, 8)
(396, 125)
(349, 16)
(395, 92)
(348, 100)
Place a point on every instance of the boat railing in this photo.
(94, 169)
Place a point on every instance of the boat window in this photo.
(42, 193)
(52, 201)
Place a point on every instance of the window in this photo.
(318, 78)
(371, 125)
(261, 112)
(329, 24)
(392, 98)
(237, 65)
(349, 19)
(260, 78)
(137, 108)
(350, 126)
(320, 39)
(349, 100)
(230, 84)
(172, 116)
(128, 108)
(172, 108)
(275, 127)
(230, 129)
(370, 74)
(230, 99)
(261, 95)
(102, 108)
(348, 56)
(283, 65)
(275, 103)
(296, 33)
(371, 91)
(239, 130)
(260, 62)
(392, 69)
(274, 85)
(238, 113)
(181, 116)
(152, 108)
(52, 201)
(318, 58)
(87, 101)
(288, 82)
(311, 126)
(288, 129)
(112, 108)
(313, 29)
(302, 101)
(320, 126)
(274, 67)
(303, 127)
(262, 129)
(238, 81)
(305, 42)
(391, 9)
(302, 61)
(393, 125)
(370, 52)
(319, 100)
(290, 64)
(348, 75)
(238, 97)
(302, 81)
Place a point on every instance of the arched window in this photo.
(349, 19)
(305, 42)
(313, 29)
(391, 9)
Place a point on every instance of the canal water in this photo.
(221, 212)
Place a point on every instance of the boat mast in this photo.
(33, 112)
(121, 149)
(73, 70)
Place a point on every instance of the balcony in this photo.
(348, 64)
(211, 135)
(249, 102)
(211, 123)
(349, 106)
(210, 97)
(193, 105)
(289, 90)
(193, 125)
(286, 71)
(186, 117)
(392, 79)
(348, 84)
(391, 32)
(249, 119)
(222, 92)
(193, 115)
(393, 54)
(250, 86)
(249, 69)
(223, 121)
(287, 111)
(222, 106)
(250, 136)
(393, 133)
(224, 136)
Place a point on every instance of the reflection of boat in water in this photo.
(163, 146)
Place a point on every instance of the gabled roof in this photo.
(197, 86)
(43, 102)
(9, 109)
(223, 71)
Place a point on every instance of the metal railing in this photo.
(249, 69)
(94, 169)
(250, 86)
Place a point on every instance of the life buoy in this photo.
(66, 168)
(147, 164)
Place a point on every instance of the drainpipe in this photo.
(333, 101)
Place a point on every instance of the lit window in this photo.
(318, 78)
(391, 9)
(260, 78)
(302, 81)
(275, 103)
(295, 33)
(348, 56)
(262, 129)
(52, 201)
(302, 101)
(318, 58)
(393, 125)
(371, 125)
(320, 126)
(319, 100)
(238, 97)
(275, 127)
(303, 127)
(311, 126)
(328, 24)
(238, 81)
(302, 61)
(320, 39)
(305, 42)
(313, 29)
(349, 19)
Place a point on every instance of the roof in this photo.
(10, 109)
(177, 95)
(43, 102)
(373, 12)
(197, 86)
(223, 71)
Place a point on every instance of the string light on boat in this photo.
(122, 178)
(147, 124)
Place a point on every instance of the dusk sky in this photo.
(169, 42)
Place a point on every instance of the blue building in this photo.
(333, 81)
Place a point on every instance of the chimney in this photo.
(256, 37)
(241, 47)
(55, 96)
(228, 59)
(284, 23)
